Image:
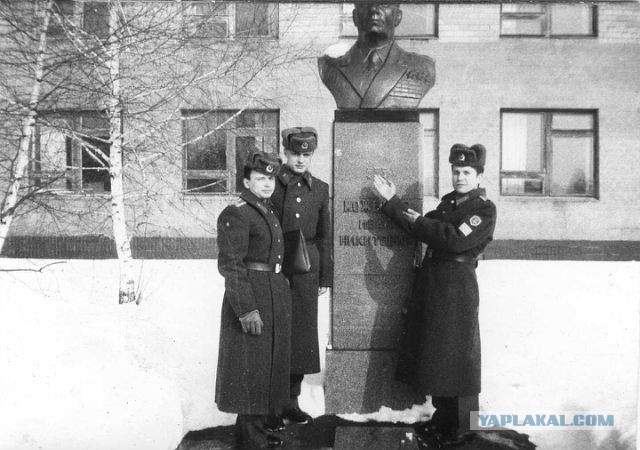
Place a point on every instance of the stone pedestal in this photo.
(373, 258)
(375, 438)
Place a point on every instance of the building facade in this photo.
(550, 89)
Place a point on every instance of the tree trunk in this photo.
(21, 162)
(127, 288)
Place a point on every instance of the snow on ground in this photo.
(562, 336)
(81, 371)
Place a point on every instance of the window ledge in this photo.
(78, 194)
(567, 199)
(557, 36)
(214, 195)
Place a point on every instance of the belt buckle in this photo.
(278, 268)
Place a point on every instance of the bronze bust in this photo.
(376, 72)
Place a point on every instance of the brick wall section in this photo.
(476, 82)
(478, 73)
(469, 23)
(619, 22)
(315, 24)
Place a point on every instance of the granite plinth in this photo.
(364, 380)
(375, 438)
(368, 314)
(373, 259)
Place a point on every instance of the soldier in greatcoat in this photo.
(302, 203)
(255, 330)
(443, 331)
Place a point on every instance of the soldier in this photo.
(253, 362)
(302, 203)
(443, 316)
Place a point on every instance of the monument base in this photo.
(361, 381)
(373, 258)
(375, 438)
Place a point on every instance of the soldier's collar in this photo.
(287, 176)
(252, 199)
(478, 192)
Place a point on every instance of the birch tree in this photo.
(136, 72)
(127, 289)
(20, 162)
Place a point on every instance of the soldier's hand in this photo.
(411, 215)
(322, 290)
(384, 188)
(251, 322)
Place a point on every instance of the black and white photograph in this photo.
(305, 225)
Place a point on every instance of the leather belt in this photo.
(451, 257)
(263, 267)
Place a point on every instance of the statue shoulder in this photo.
(336, 55)
(327, 62)
(328, 66)
(420, 68)
(418, 61)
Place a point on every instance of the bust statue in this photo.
(375, 72)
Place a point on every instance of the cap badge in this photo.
(461, 157)
(304, 145)
(269, 168)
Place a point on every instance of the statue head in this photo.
(376, 22)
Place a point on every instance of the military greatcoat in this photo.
(443, 316)
(302, 202)
(253, 370)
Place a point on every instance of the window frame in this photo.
(547, 20)
(347, 16)
(76, 17)
(546, 174)
(229, 174)
(73, 148)
(229, 18)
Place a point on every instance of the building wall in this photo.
(478, 74)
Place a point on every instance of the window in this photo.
(71, 152)
(216, 145)
(96, 19)
(63, 12)
(548, 20)
(93, 17)
(418, 21)
(549, 153)
(222, 19)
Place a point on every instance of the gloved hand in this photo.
(251, 322)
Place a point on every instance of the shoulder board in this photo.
(239, 203)
(484, 197)
(319, 181)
